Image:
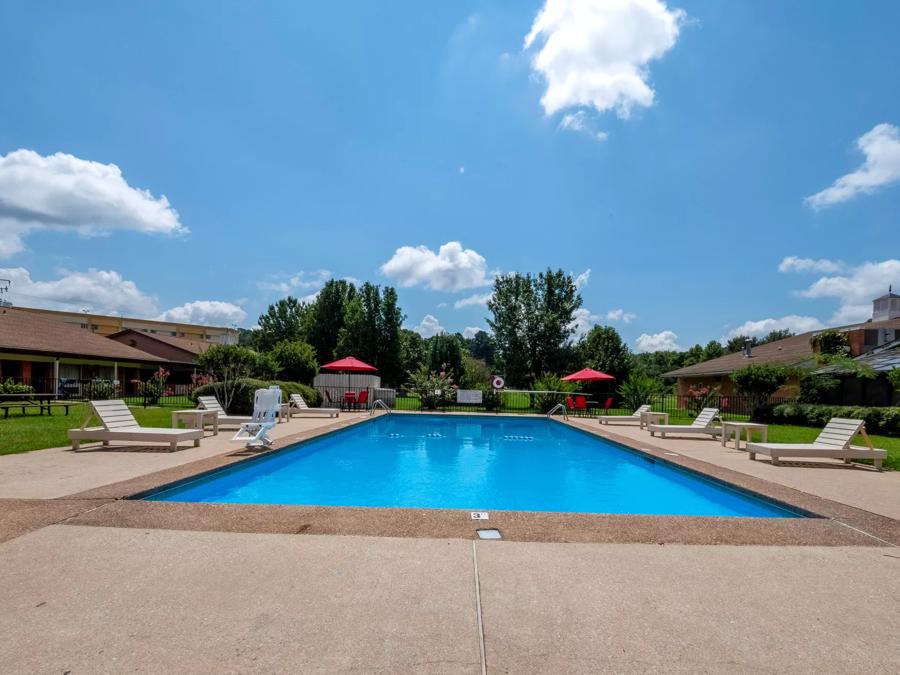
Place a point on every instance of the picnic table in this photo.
(31, 401)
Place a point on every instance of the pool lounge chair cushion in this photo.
(833, 442)
(701, 425)
(119, 425)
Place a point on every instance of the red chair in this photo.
(608, 404)
(362, 401)
(581, 405)
(570, 404)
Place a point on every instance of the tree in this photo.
(390, 364)
(327, 318)
(413, 351)
(713, 350)
(482, 346)
(831, 342)
(638, 389)
(758, 383)
(284, 320)
(654, 364)
(296, 361)
(603, 349)
(227, 363)
(695, 354)
(445, 354)
(776, 335)
(532, 319)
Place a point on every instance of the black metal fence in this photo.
(133, 393)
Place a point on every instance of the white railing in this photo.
(379, 403)
(558, 406)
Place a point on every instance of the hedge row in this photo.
(242, 403)
(884, 421)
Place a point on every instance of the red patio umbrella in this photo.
(587, 375)
(349, 364)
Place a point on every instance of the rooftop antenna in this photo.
(4, 289)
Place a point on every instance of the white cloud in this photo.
(429, 326)
(582, 279)
(470, 331)
(302, 280)
(452, 268)
(663, 341)
(582, 322)
(64, 192)
(578, 121)
(881, 147)
(205, 312)
(595, 53)
(620, 315)
(793, 322)
(793, 263)
(856, 288)
(99, 291)
(473, 301)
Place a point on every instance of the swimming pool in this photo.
(471, 462)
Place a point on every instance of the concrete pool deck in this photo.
(94, 599)
(97, 583)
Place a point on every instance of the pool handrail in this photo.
(379, 402)
(558, 406)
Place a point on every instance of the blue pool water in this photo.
(471, 462)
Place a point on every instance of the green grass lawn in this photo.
(32, 432)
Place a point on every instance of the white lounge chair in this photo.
(119, 425)
(266, 409)
(702, 425)
(625, 419)
(834, 442)
(212, 403)
(297, 406)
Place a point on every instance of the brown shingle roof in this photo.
(195, 347)
(788, 352)
(28, 333)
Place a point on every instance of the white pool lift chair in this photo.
(266, 408)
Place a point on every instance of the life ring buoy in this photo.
(498, 382)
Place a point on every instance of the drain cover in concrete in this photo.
(489, 534)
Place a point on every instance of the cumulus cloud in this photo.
(205, 312)
(64, 192)
(655, 342)
(881, 148)
(856, 288)
(794, 263)
(620, 315)
(596, 53)
(452, 268)
(473, 301)
(470, 331)
(793, 322)
(302, 280)
(582, 279)
(583, 321)
(578, 121)
(429, 327)
(99, 291)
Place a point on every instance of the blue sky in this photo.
(681, 152)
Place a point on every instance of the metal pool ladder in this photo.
(378, 403)
(558, 406)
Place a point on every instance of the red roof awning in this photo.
(587, 375)
(349, 364)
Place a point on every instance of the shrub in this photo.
(101, 389)
(10, 387)
(637, 390)
(882, 420)
(554, 391)
(245, 388)
(831, 341)
(264, 367)
(295, 361)
(433, 389)
(227, 364)
(758, 383)
(816, 387)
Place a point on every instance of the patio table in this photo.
(650, 417)
(196, 418)
(736, 428)
(349, 399)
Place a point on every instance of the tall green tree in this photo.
(327, 318)
(390, 350)
(227, 364)
(532, 319)
(413, 352)
(445, 354)
(482, 346)
(603, 349)
(283, 320)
